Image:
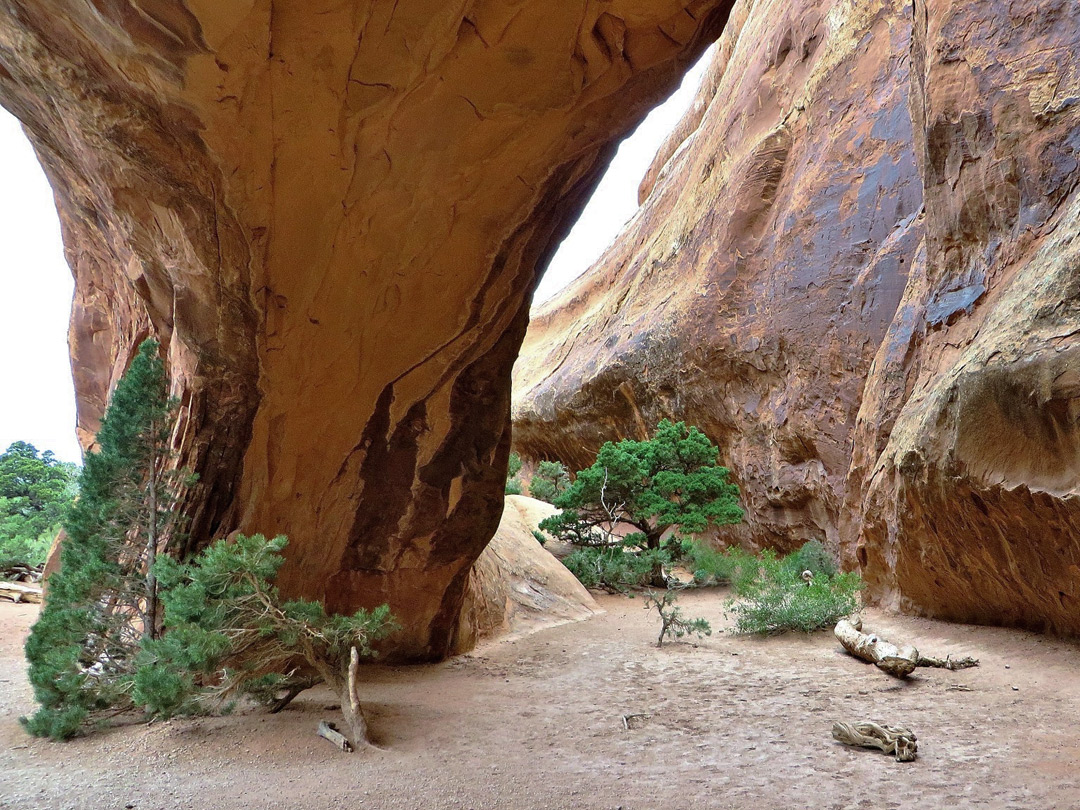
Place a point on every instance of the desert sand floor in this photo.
(537, 723)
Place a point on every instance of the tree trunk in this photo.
(150, 619)
(355, 721)
(657, 578)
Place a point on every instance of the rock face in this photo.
(856, 267)
(517, 587)
(751, 291)
(331, 215)
(965, 481)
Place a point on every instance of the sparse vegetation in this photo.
(672, 621)
(731, 566)
(549, 481)
(513, 468)
(779, 598)
(36, 490)
(102, 600)
(228, 633)
(615, 568)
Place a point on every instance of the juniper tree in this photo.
(549, 481)
(103, 600)
(228, 632)
(35, 491)
(672, 480)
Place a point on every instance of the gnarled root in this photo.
(894, 740)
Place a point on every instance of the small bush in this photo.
(30, 551)
(672, 622)
(549, 481)
(513, 467)
(778, 599)
(812, 557)
(732, 566)
(615, 568)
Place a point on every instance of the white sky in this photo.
(37, 402)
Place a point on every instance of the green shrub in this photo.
(812, 557)
(229, 632)
(513, 467)
(672, 621)
(615, 568)
(18, 549)
(711, 566)
(36, 490)
(549, 481)
(670, 481)
(101, 601)
(778, 599)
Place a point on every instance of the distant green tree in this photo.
(513, 467)
(35, 492)
(103, 600)
(549, 481)
(671, 481)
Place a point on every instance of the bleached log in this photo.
(18, 592)
(328, 731)
(897, 661)
(894, 740)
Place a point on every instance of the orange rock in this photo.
(855, 268)
(332, 214)
(750, 292)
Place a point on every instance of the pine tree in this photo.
(103, 600)
(229, 632)
(670, 481)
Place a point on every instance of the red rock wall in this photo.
(753, 288)
(331, 214)
(856, 268)
(964, 485)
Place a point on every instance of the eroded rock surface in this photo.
(331, 214)
(861, 181)
(966, 476)
(751, 291)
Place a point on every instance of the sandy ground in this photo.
(537, 723)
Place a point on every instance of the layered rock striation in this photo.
(856, 267)
(331, 215)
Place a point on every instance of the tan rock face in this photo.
(751, 291)
(858, 182)
(517, 586)
(331, 213)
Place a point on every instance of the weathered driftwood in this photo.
(948, 662)
(894, 740)
(898, 661)
(18, 592)
(628, 720)
(328, 731)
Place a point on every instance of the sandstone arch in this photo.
(332, 214)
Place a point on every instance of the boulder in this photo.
(517, 587)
